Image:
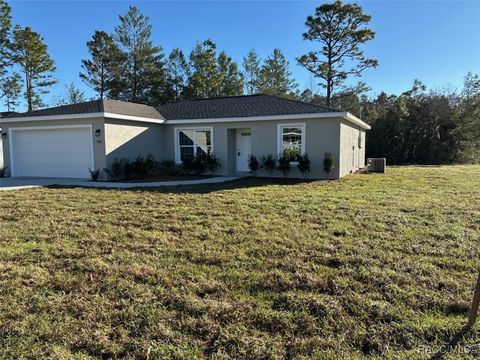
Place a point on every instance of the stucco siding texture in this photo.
(321, 135)
(129, 139)
(98, 143)
(352, 148)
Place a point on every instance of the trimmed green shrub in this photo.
(94, 174)
(328, 163)
(284, 165)
(304, 165)
(269, 163)
(253, 164)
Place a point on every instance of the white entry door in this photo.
(46, 151)
(244, 144)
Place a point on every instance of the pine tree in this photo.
(30, 53)
(275, 76)
(143, 66)
(251, 72)
(340, 29)
(102, 69)
(212, 75)
(10, 83)
(204, 80)
(10, 89)
(5, 34)
(231, 80)
(72, 95)
(177, 75)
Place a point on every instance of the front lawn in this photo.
(368, 266)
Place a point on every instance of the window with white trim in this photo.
(193, 142)
(291, 140)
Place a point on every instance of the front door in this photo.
(243, 148)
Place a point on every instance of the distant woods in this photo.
(417, 126)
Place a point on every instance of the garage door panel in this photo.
(52, 152)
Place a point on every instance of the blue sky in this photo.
(437, 42)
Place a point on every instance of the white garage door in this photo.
(52, 151)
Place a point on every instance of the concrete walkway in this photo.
(27, 183)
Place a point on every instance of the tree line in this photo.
(414, 127)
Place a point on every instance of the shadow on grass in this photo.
(202, 188)
(463, 334)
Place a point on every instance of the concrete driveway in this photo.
(26, 183)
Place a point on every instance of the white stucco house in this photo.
(66, 141)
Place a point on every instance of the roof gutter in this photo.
(344, 115)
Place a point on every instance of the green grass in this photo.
(368, 266)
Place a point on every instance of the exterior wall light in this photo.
(4, 135)
(97, 133)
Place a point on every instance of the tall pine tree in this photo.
(101, 71)
(212, 75)
(143, 66)
(340, 29)
(231, 79)
(177, 75)
(10, 81)
(204, 80)
(30, 53)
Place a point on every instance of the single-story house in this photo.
(66, 141)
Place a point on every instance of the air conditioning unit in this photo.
(377, 164)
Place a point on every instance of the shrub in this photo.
(168, 167)
(328, 163)
(269, 163)
(253, 164)
(212, 163)
(187, 165)
(94, 174)
(139, 167)
(199, 164)
(128, 169)
(151, 165)
(284, 165)
(304, 165)
(292, 154)
(3, 171)
(116, 169)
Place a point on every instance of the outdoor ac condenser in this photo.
(377, 164)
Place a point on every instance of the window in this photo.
(291, 140)
(192, 142)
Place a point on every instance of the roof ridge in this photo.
(211, 98)
(303, 102)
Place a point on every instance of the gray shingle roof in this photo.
(225, 107)
(238, 106)
(110, 106)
